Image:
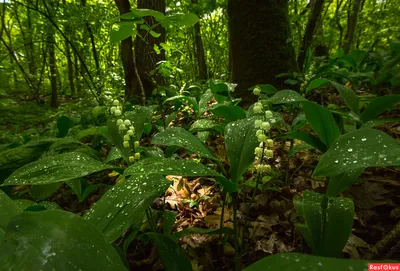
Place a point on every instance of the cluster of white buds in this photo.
(307, 78)
(116, 109)
(264, 150)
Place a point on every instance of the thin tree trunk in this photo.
(70, 67)
(200, 55)
(354, 9)
(316, 9)
(52, 66)
(92, 40)
(146, 57)
(127, 55)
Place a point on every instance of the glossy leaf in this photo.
(317, 83)
(172, 255)
(90, 132)
(63, 167)
(117, 139)
(322, 122)
(229, 112)
(63, 125)
(326, 230)
(177, 136)
(359, 149)
(43, 191)
(113, 155)
(124, 30)
(56, 240)
(125, 204)
(297, 261)
(378, 106)
(8, 209)
(339, 183)
(286, 96)
(202, 125)
(349, 97)
(307, 138)
(169, 166)
(188, 19)
(240, 142)
(139, 116)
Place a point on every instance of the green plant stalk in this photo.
(235, 233)
(221, 224)
(287, 163)
(246, 220)
(150, 219)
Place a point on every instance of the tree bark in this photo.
(52, 66)
(316, 9)
(259, 43)
(354, 9)
(146, 57)
(200, 55)
(92, 41)
(127, 55)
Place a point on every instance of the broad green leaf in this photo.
(76, 186)
(56, 240)
(43, 191)
(122, 30)
(63, 167)
(307, 138)
(202, 125)
(378, 106)
(26, 205)
(90, 132)
(286, 96)
(66, 144)
(147, 12)
(172, 255)
(125, 204)
(297, 261)
(326, 230)
(177, 136)
(220, 91)
(188, 19)
(204, 99)
(317, 83)
(153, 152)
(338, 183)
(240, 142)
(190, 100)
(379, 121)
(349, 97)
(113, 155)
(229, 112)
(321, 120)
(169, 166)
(361, 148)
(12, 159)
(63, 125)
(139, 116)
(8, 209)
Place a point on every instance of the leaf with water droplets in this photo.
(337, 184)
(327, 222)
(307, 138)
(8, 209)
(177, 136)
(56, 240)
(286, 96)
(113, 155)
(359, 149)
(125, 204)
(59, 168)
(240, 142)
(170, 166)
(206, 125)
(297, 261)
(322, 122)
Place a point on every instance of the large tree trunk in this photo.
(146, 57)
(200, 55)
(127, 56)
(354, 8)
(259, 43)
(315, 14)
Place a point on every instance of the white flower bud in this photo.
(115, 102)
(268, 114)
(130, 132)
(256, 91)
(257, 109)
(120, 121)
(131, 159)
(268, 153)
(270, 143)
(261, 137)
(122, 127)
(137, 156)
(257, 123)
(137, 144)
(127, 137)
(127, 122)
(265, 125)
(117, 112)
(126, 144)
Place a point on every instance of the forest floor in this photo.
(270, 227)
